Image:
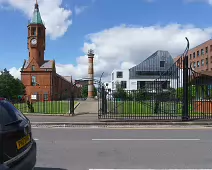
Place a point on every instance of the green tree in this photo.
(85, 91)
(120, 92)
(179, 93)
(10, 87)
(191, 92)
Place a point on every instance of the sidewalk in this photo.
(92, 119)
(78, 118)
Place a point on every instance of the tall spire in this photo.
(36, 19)
(36, 4)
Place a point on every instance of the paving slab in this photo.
(87, 106)
(79, 118)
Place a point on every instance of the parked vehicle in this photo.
(17, 147)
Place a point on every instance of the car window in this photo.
(8, 113)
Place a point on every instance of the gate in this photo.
(179, 93)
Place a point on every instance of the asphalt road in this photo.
(84, 149)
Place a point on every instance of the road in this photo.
(96, 148)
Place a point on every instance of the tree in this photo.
(85, 91)
(120, 92)
(191, 92)
(10, 87)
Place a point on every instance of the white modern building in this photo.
(108, 84)
(153, 69)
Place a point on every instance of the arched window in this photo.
(33, 68)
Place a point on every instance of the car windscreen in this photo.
(8, 113)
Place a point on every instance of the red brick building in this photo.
(39, 75)
(200, 57)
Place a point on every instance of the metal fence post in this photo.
(104, 101)
(72, 102)
(185, 110)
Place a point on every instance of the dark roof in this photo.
(152, 63)
(36, 18)
(46, 65)
(64, 78)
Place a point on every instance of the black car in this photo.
(17, 147)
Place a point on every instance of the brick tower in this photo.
(90, 74)
(37, 74)
(33, 71)
(36, 37)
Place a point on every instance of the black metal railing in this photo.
(46, 104)
(179, 93)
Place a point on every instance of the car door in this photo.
(16, 133)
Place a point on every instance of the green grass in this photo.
(48, 107)
(145, 108)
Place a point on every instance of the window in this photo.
(33, 31)
(9, 113)
(152, 85)
(194, 55)
(29, 54)
(46, 96)
(206, 61)
(206, 50)
(194, 65)
(190, 56)
(39, 32)
(119, 74)
(197, 53)
(202, 52)
(210, 48)
(34, 83)
(162, 63)
(202, 62)
(37, 95)
(140, 84)
(112, 85)
(198, 64)
(112, 76)
(33, 68)
(124, 84)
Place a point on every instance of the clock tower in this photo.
(36, 37)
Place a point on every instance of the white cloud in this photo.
(205, 1)
(125, 46)
(15, 72)
(79, 9)
(56, 18)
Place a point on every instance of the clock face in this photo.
(33, 41)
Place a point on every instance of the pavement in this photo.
(92, 119)
(87, 106)
(118, 148)
(85, 115)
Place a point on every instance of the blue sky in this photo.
(91, 21)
